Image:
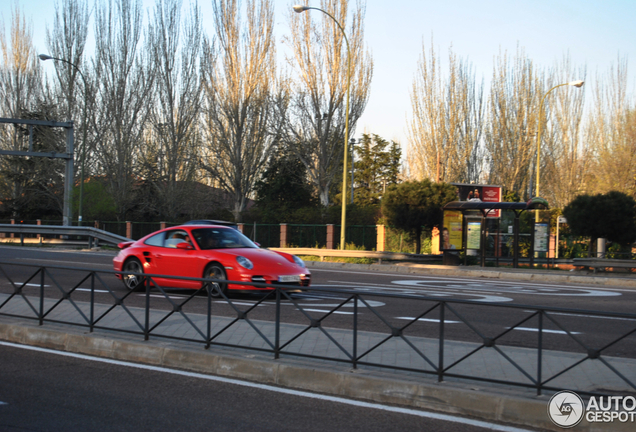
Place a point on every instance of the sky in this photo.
(593, 33)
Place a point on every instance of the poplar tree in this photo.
(240, 87)
(317, 110)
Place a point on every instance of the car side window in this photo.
(173, 238)
(155, 240)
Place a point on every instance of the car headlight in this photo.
(244, 262)
(298, 261)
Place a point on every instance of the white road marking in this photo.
(30, 284)
(544, 330)
(335, 399)
(236, 303)
(427, 320)
(478, 289)
(327, 311)
(486, 295)
(175, 297)
(291, 304)
(68, 263)
(89, 290)
(586, 316)
(516, 328)
(563, 292)
(431, 279)
(48, 286)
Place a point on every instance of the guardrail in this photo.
(89, 232)
(348, 327)
(376, 255)
(603, 263)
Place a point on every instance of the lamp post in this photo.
(300, 9)
(353, 144)
(573, 83)
(45, 57)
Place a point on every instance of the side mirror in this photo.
(185, 245)
(257, 244)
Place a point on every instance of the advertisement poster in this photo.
(451, 237)
(473, 235)
(541, 237)
(484, 193)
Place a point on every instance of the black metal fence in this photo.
(267, 235)
(444, 338)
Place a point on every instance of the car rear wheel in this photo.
(132, 281)
(216, 271)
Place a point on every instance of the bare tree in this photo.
(124, 82)
(239, 90)
(67, 41)
(20, 76)
(515, 95)
(565, 158)
(170, 152)
(610, 132)
(446, 128)
(20, 93)
(317, 111)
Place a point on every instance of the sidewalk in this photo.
(502, 403)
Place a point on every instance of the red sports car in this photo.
(204, 251)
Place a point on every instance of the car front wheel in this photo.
(216, 271)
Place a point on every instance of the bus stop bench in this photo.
(603, 263)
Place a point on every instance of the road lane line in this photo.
(516, 328)
(89, 290)
(48, 286)
(585, 316)
(544, 330)
(427, 320)
(68, 263)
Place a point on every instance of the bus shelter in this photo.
(473, 228)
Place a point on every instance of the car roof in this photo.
(212, 222)
(209, 222)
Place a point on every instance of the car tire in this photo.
(133, 282)
(216, 271)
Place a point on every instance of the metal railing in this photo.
(72, 231)
(350, 329)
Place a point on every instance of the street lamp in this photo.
(573, 83)
(300, 9)
(353, 144)
(45, 57)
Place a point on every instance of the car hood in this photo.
(264, 260)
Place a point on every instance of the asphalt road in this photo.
(44, 391)
(509, 303)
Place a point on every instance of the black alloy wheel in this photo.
(216, 271)
(132, 281)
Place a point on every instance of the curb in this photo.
(522, 410)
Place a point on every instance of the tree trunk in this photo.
(418, 241)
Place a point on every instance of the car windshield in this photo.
(221, 238)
